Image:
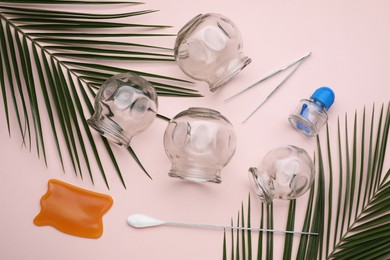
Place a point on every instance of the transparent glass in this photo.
(199, 142)
(285, 173)
(209, 48)
(308, 117)
(125, 105)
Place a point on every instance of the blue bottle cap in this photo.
(325, 96)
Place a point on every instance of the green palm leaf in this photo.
(71, 2)
(288, 242)
(70, 69)
(260, 237)
(46, 37)
(29, 12)
(360, 227)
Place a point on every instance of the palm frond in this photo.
(288, 242)
(70, 2)
(360, 225)
(249, 233)
(224, 257)
(303, 242)
(48, 36)
(371, 215)
(30, 12)
(260, 237)
(270, 236)
(34, 38)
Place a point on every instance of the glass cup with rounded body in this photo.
(125, 105)
(285, 173)
(209, 48)
(199, 142)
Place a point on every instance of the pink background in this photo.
(349, 41)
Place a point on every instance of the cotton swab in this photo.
(143, 221)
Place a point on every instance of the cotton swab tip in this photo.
(143, 221)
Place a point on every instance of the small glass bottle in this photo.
(125, 105)
(311, 114)
(285, 173)
(199, 142)
(209, 48)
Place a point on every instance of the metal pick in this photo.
(270, 75)
(273, 91)
(143, 221)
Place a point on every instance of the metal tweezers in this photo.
(297, 63)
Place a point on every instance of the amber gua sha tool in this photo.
(73, 210)
(144, 221)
